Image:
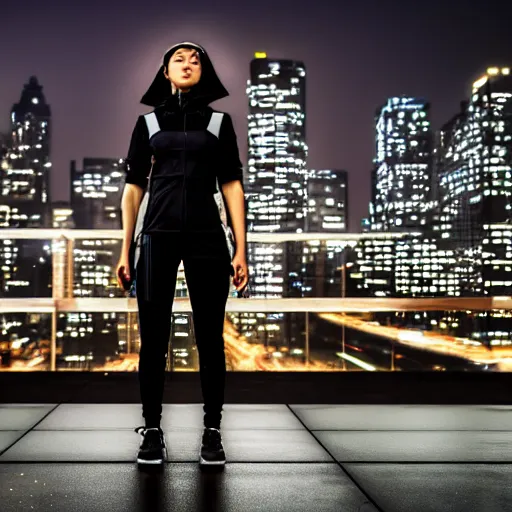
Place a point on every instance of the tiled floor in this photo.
(79, 457)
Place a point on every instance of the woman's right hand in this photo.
(123, 268)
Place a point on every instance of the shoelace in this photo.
(150, 441)
(145, 429)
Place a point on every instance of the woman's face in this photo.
(184, 69)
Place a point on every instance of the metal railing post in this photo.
(53, 344)
(70, 247)
(307, 339)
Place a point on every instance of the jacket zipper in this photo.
(184, 202)
(184, 162)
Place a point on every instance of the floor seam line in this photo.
(344, 471)
(30, 429)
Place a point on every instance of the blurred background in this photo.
(377, 150)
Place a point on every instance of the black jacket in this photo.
(188, 163)
(190, 158)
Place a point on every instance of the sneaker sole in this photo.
(154, 461)
(204, 462)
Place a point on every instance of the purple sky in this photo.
(95, 60)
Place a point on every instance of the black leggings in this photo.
(207, 273)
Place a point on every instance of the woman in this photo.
(184, 155)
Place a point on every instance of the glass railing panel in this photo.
(266, 335)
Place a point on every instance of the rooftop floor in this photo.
(280, 457)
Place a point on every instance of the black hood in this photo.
(208, 89)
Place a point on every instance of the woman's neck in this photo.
(176, 90)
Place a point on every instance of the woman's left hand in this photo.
(241, 277)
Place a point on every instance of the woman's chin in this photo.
(184, 86)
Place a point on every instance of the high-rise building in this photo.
(62, 215)
(402, 201)
(475, 186)
(26, 177)
(327, 192)
(96, 191)
(277, 151)
(463, 244)
(275, 185)
(96, 204)
(373, 272)
(276, 177)
(474, 172)
(402, 175)
(24, 200)
(92, 338)
(5, 166)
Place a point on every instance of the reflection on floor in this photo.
(65, 457)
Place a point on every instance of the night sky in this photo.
(96, 59)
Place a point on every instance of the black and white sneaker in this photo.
(212, 451)
(152, 448)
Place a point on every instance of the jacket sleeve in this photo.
(138, 162)
(229, 164)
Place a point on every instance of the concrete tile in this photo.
(436, 487)
(122, 446)
(250, 446)
(67, 487)
(395, 446)
(186, 416)
(22, 416)
(8, 437)
(405, 417)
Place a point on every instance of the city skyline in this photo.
(356, 225)
(350, 70)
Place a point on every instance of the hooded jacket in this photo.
(191, 161)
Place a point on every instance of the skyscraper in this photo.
(277, 151)
(96, 201)
(276, 177)
(275, 185)
(463, 244)
(95, 204)
(475, 186)
(96, 191)
(327, 212)
(327, 192)
(26, 177)
(62, 215)
(474, 172)
(24, 200)
(401, 191)
(402, 174)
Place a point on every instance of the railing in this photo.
(77, 234)
(309, 322)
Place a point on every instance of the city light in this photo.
(438, 226)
